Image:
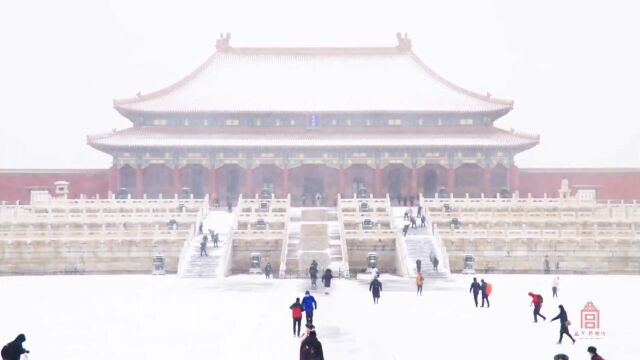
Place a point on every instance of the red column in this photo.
(139, 181)
(285, 180)
(514, 181)
(114, 181)
(377, 192)
(414, 181)
(213, 183)
(248, 176)
(486, 181)
(451, 179)
(175, 175)
(341, 177)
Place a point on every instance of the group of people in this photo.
(326, 277)
(536, 302)
(311, 347)
(483, 288)
(203, 242)
(411, 221)
(317, 199)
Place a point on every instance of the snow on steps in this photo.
(209, 266)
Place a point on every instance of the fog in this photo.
(571, 66)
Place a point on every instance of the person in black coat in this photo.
(267, 271)
(313, 273)
(375, 287)
(311, 348)
(418, 265)
(326, 280)
(14, 349)
(564, 324)
(475, 287)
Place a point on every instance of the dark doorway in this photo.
(267, 184)
(395, 183)
(197, 182)
(357, 185)
(430, 183)
(128, 178)
(313, 186)
(233, 178)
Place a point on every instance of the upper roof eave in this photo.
(127, 106)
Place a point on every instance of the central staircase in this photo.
(196, 266)
(422, 244)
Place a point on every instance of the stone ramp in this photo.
(209, 266)
(314, 234)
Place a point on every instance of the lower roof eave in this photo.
(109, 149)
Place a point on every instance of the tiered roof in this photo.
(170, 137)
(371, 79)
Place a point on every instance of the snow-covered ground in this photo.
(247, 317)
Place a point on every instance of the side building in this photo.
(309, 121)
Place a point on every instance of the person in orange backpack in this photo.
(419, 282)
(486, 291)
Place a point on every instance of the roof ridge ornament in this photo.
(404, 43)
(222, 43)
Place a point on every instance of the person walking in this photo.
(200, 228)
(486, 291)
(14, 349)
(203, 246)
(406, 214)
(313, 273)
(309, 304)
(554, 286)
(267, 270)
(435, 263)
(375, 287)
(326, 280)
(216, 239)
(405, 229)
(296, 313)
(419, 213)
(413, 223)
(419, 282)
(594, 353)
(564, 324)
(423, 221)
(418, 265)
(536, 301)
(311, 348)
(475, 288)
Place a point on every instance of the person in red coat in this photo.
(296, 312)
(536, 301)
(594, 353)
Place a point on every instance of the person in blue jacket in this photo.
(309, 304)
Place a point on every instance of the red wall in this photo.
(613, 184)
(15, 184)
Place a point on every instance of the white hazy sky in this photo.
(572, 67)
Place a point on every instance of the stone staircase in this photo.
(209, 266)
(421, 244)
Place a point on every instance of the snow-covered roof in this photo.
(372, 79)
(172, 137)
